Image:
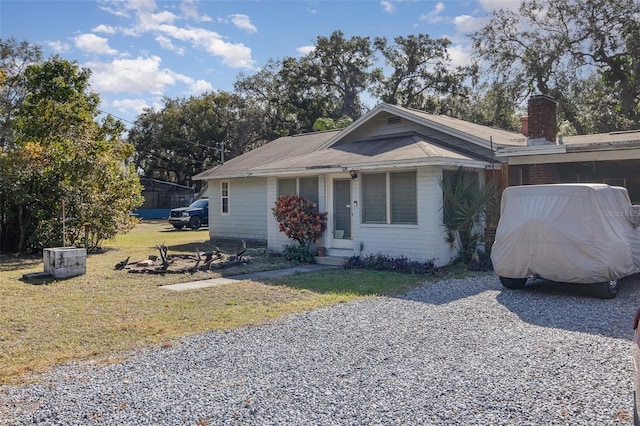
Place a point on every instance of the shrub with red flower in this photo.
(299, 219)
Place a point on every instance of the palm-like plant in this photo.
(465, 203)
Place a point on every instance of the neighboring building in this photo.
(160, 197)
(378, 179)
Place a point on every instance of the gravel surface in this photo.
(451, 353)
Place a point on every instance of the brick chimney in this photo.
(524, 125)
(542, 129)
(542, 121)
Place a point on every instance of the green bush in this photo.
(381, 262)
(297, 253)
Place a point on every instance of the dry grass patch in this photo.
(106, 312)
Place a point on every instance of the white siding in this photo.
(421, 242)
(247, 206)
(250, 217)
(275, 239)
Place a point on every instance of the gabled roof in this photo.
(358, 146)
(478, 134)
(389, 151)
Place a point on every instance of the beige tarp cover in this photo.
(577, 233)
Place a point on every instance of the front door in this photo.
(341, 223)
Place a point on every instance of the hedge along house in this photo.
(612, 158)
(378, 179)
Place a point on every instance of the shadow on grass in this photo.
(192, 247)
(185, 229)
(15, 263)
(226, 246)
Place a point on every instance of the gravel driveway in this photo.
(452, 353)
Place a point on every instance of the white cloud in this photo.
(166, 43)
(58, 46)
(460, 55)
(466, 24)
(305, 50)
(148, 22)
(388, 6)
(491, 5)
(131, 75)
(434, 16)
(190, 11)
(163, 26)
(136, 106)
(105, 29)
(94, 44)
(199, 87)
(235, 55)
(144, 5)
(243, 22)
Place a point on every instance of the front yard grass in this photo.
(106, 312)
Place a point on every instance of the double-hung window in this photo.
(224, 197)
(389, 198)
(305, 187)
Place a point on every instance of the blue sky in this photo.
(140, 51)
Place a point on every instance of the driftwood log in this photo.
(184, 263)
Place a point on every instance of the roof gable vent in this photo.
(393, 120)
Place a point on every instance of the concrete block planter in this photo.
(65, 262)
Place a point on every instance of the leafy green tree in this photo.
(422, 72)
(288, 98)
(14, 58)
(327, 123)
(61, 152)
(343, 68)
(548, 44)
(494, 106)
(189, 135)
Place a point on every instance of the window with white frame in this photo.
(389, 198)
(305, 187)
(224, 197)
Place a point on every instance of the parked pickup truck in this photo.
(194, 216)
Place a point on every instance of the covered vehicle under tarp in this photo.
(574, 233)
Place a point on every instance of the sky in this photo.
(140, 51)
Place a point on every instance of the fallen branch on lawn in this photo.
(181, 263)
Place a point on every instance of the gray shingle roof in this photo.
(333, 150)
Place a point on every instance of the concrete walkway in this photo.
(255, 276)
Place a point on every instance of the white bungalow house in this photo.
(377, 179)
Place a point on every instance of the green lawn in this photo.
(105, 312)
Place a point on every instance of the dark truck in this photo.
(194, 216)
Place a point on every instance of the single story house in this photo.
(378, 180)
